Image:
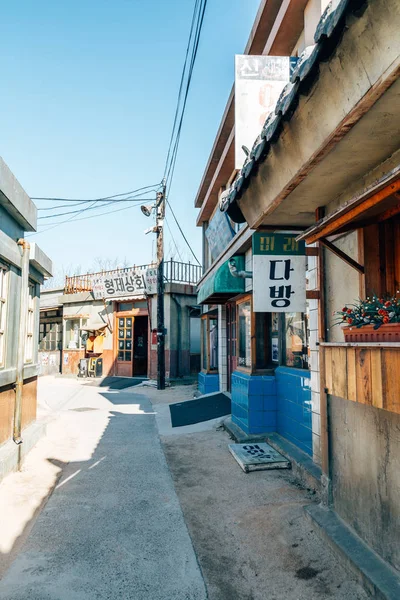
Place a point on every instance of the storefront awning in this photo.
(221, 285)
(377, 204)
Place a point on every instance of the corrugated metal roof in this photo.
(327, 37)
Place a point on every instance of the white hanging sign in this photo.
(279, 273)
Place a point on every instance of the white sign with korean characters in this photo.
(151, 281)
(279, 273)
(129, 282)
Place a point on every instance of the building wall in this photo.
(365, 451)
(222, 350)
(312, 284)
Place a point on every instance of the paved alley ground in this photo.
(134, 515)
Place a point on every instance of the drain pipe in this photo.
(19, 382)
(179, 330)
(236, 273)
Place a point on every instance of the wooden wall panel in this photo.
(391, 380)
(366, 375)
(363, 375)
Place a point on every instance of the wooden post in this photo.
(326, 478)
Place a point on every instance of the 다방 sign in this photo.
(259, 81)
(279, 273)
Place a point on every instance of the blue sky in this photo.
(88, 93)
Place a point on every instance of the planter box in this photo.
(389, 332)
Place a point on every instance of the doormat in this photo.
(204, 408)
(258, 457)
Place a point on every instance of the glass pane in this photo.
(120, 355)
(128, 322)
(262, 339)
(128, 333)
(213, 334)
(125, 306)
(204, 342)
(128, 344)
(121, 322)
(295, 340)
(194, 335)
(128, 356)
(121, 344)
(244, 318)
(72, 333)
(121, 333)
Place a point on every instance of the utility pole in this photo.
(160, 214)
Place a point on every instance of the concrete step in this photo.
(377, 576)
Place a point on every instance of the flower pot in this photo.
(388, 332)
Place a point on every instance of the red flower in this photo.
(349, 321)
(344, 309)
(386, 319)
(388, 303)
(349, 311)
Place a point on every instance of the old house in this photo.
(324, 169)
(23, 268)
(110, 318)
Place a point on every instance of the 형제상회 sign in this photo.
(279, 273)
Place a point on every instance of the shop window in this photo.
(125, 335)
(244, 334)
(209, 343)
(30, 324)
(125, 306)
(3, 310)
(253, 337)
(73, 339)
(295, 340)
(50, 336)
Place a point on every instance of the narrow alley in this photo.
(105, 507)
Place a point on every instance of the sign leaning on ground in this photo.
(279, 273)
(127, 282)
(259, 81)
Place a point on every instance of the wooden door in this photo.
(125, 333)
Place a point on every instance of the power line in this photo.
(71, 212)
(193, 42)
(173, 240)
(74, 219)
(183, 235)
(48, 198)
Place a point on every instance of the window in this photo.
(73, 338)
(244, 334)
(254, 335)
(209, 343)
(125, 335)
(50, 336)
(3, 310)
(30, 323)
(295, 340)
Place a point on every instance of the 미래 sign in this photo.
(279, 273)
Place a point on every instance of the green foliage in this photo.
(372, 311)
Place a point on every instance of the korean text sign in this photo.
(279, 273)
(129, 282)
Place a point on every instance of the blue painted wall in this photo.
(208, 383)
(282, 403)
(254, 402)
(294, 406)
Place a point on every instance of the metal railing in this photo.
(178, 272)
(174, 272)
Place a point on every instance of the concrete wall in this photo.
(177, 342)
(365, 450)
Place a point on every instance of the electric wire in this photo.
(96, 207)
(48, 198)
(197, 24)
(173, 240)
